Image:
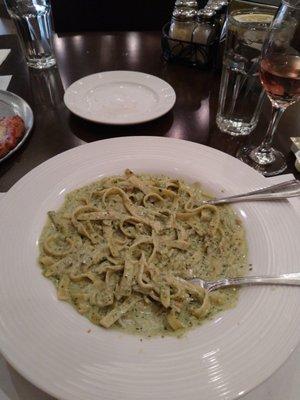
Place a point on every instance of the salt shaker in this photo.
(205, 29)
(182, 24)
(221, 10)
(190, 4)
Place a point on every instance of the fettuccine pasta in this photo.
(122, 249)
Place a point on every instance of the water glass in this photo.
(33, 21)
(241, 94)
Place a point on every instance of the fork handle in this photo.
(292, 279)
(276, 192)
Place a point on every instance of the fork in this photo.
(292, 279)
(275, 192)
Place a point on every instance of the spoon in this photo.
(292, 279)
(275, 192)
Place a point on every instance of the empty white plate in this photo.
(120, 97)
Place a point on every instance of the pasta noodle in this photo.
(122, 249)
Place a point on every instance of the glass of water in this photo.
(241, 94)
(33, 21)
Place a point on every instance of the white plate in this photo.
(49, 342)
(120, 97)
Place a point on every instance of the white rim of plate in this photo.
(76, 99)
(206, 361)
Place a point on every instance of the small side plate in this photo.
(120, 97)
(11, 104)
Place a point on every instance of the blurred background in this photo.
(103, 15)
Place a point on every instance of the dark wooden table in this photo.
(57, 130)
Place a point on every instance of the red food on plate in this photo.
(11, 130)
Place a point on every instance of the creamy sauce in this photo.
(116, 248)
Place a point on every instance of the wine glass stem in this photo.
(268, 140)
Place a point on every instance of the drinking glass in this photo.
(280, 76)
(241, 94)
(34, 25)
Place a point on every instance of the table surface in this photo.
(57, 130)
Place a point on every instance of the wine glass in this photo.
(280, 77)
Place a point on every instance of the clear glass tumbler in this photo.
(241, 95)
(33, 21)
